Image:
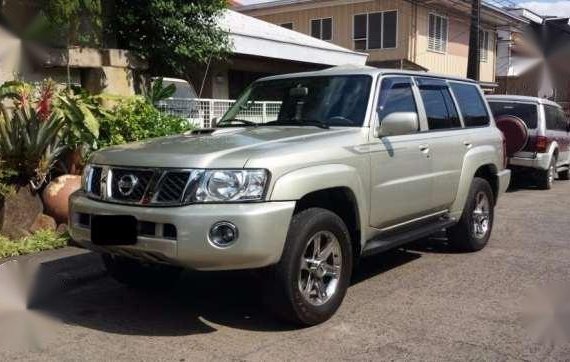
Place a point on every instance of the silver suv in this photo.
(356, 161)
(546, 151)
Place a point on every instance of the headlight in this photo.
(85, 177)
(230, 185)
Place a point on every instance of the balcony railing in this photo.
(201, 112)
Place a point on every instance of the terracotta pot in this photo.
(56, 196)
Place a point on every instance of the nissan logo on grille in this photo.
(127, 184)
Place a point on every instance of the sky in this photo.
(542, 7)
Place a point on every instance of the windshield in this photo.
(325, 101)
(526, 111)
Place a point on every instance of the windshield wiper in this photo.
(228, 122)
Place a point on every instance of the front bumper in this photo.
(262, 232)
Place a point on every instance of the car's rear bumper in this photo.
(262, 231)
(539, 161)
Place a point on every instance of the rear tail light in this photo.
(541, 144)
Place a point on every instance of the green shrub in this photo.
(135, 119)
(41, 240)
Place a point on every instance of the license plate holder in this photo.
(113, 230)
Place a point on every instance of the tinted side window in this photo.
(396, 95)
(440, 110)
(528, 112)
(471, 105)
(554, 118)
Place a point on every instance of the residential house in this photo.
(98, 70)
(534, 58)
(410, 34)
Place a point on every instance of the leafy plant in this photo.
(41, 240)
(29, 142)
(172, 34)
(135, 119)
(156, 91)
(82, 113)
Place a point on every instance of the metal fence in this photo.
(201, 112)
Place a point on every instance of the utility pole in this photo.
(474, 46)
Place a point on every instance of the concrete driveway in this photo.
(419, 303)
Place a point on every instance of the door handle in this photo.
(424, 148)
(467, 144)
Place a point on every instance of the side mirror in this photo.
(398, 123)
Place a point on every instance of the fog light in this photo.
(223, 234)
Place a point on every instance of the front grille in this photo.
(129, 185)
(171, 187)
(141, 186)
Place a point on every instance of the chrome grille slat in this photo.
(171, 188)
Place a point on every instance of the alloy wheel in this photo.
(481, 215)
(321, 267)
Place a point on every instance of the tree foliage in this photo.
(172, 34)
(68, 22)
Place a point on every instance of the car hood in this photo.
(228, 148)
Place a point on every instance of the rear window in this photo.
(528, 112)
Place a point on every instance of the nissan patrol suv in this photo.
(356, 161)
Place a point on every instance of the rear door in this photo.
(556, 130)
(528, 112)
(447, 140)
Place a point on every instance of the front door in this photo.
(400, 165)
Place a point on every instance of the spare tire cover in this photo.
(515, 131)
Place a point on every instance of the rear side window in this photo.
(528, 112)
(396, 95)
(471, 104)
(555, 118)
(440, 110)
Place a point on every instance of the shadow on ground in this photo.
(198, 303)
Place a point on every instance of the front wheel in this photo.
(473, 230)
(313, 275)
(564, 175)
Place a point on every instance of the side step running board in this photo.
(386, 242)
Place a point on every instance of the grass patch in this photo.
(41, 240)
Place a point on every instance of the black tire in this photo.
(287, 300)
(140, 275)
(546, 177)
(564, 175)
(465, 236)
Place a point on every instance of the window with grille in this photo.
(484, 45)
(437, 33)
(321, 28)
(375, 30)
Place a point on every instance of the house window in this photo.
(321, 28)
(437, 33)
(375, 30)
(287, 26)
(484, 46)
